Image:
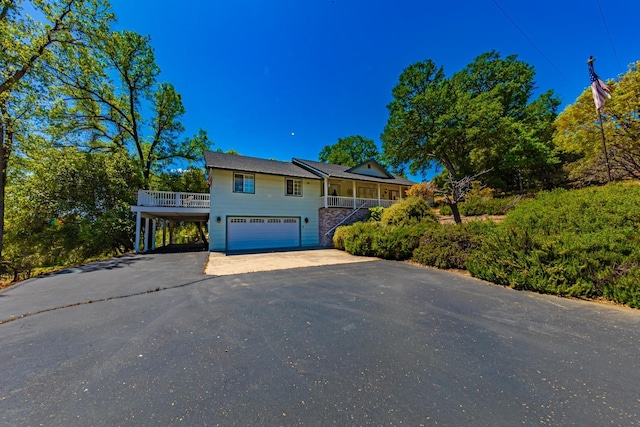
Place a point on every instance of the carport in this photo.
(165, 208)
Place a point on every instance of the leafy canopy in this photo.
(113, 99)
(481, 118)
(578, 137)
(350, 151)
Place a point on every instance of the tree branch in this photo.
(19, 74)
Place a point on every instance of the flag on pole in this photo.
(599, 89)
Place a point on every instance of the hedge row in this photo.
(581, 243)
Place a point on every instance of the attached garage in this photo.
(262, 232)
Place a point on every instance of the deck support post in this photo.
(146, 235)
(154, 224)
(137, 240)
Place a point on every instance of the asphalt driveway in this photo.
(366, 343)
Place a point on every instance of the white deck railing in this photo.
(350, 202)
(171, 199)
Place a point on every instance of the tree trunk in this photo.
(456, 213)
(6, 144)
(202, 235)
(3, 183)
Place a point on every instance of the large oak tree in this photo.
(30, 52)
(350, 151)
(482, 119)
(112, 99)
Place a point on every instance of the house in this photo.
(258, 204)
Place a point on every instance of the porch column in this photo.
(354, 194)
(146, 235)
(154, 224)
(326, 192)
(164, 232)
(137, 244)
(400, 187)
(379, 195)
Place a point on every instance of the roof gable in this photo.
(344, 172)
(371, 168)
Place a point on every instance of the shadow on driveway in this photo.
(127, 275)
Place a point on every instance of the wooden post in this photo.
(354, 194)
(326, 192)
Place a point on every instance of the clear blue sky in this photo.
(283, 78)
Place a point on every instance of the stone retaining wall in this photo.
(329, 217)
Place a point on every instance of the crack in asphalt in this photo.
(91, 301)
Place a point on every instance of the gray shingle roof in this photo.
(298, 168)
(253, 164)
(337, 171)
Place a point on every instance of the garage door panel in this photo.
(262, 233)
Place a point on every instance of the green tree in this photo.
(350, 151)
(579, 138)
(189, 180)
(71, 205)
(229, 151)
(481, 121)
(27, 43)
(114, 100)
(29, 56)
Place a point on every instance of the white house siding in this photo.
(269, 200)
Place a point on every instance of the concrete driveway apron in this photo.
(224, 265)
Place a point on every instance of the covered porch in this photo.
(163, 209)
(341, 193)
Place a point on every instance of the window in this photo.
(243, 183)
(294, 187)
(368, 192)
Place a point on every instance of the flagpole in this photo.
(598, 109)
(604, 146)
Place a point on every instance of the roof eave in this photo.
(310, 168)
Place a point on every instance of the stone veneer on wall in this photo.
(329, 217)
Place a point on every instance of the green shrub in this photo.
(626, 289)
(448, 246)
(445, 210)
(398, 242)
(375, 213)
(580, 243)
(474, 206)
(338, 237)
(356, 238)
(408, 211)
(373, 239)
